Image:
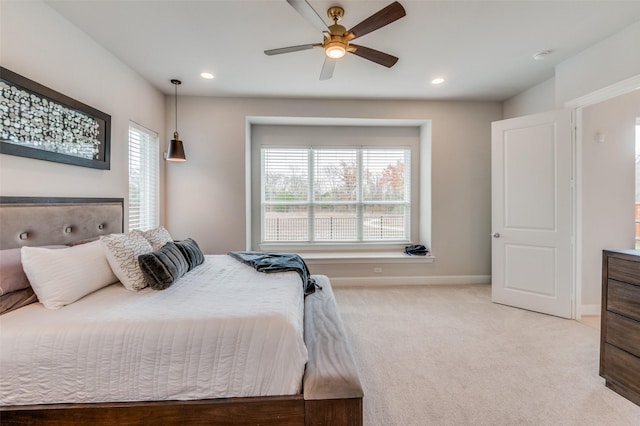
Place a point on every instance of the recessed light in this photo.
(438, 80)
(541, 55)
(206, 75)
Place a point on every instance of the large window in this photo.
(335, 195)
(144, 178)
(338, 186)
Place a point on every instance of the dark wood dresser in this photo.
(620, 330)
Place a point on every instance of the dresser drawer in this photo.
(624, 270)
(623, 299)
(623, 333)
(622, 369)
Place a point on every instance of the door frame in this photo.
(577, 106)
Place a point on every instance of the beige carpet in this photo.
(446, 355)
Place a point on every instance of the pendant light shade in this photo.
(175, 152)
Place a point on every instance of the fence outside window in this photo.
(334, 228)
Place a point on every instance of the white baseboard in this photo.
(415, 280)
(590, 310)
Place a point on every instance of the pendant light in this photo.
(175, 152)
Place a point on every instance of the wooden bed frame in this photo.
(332, 393)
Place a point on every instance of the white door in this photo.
(532, 205)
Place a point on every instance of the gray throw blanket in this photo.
(278, 262)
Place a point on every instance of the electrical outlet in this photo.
(377, 270)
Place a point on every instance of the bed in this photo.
(309, 376)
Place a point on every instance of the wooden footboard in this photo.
(269, 411)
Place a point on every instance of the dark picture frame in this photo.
(38, 122)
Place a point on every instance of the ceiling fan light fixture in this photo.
(335, 49)
(337, 39)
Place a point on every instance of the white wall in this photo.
(206, 195)
(610, 61)
(603, 64)
(37, 43)
(608, 186)
(537, 99)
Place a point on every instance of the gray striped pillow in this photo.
(163, 267)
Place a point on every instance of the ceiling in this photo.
(484, 49)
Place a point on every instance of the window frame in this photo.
(359, 203)
(420, 178)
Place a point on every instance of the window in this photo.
(345, 187)
(334, 195)
(144, 178)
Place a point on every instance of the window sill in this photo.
(364, 257)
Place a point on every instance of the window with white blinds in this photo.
(144, 178)
(335, 195)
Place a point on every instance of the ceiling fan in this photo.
(337, 40)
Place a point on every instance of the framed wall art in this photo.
(38, 122)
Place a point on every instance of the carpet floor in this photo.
(446, 355)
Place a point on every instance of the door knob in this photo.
(496, 235)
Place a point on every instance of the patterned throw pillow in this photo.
(122, 251)
(157, 237)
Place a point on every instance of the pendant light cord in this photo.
(176, 83)
(176, 92)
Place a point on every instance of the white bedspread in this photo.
(222, 330)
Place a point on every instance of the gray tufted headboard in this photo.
(38, 221)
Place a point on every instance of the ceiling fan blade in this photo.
(308, 13)
(383, 17)
(290, 49)
(327, 68)
(374, 55)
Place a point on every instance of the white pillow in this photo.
(122, 251)
(157, 237)
(62, 276)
